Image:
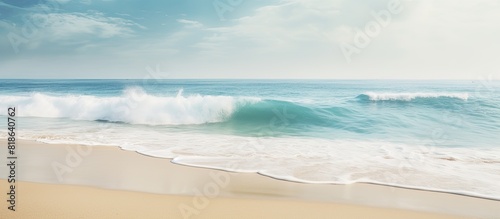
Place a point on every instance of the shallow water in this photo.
(436, 135)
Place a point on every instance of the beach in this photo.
(249, 109)
(107, 182)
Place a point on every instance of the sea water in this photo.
(433, 135)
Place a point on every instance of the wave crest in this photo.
(134, 106)
(373, 96)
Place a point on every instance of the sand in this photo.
(107, 182)
(64, 201)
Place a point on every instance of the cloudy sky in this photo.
(335, 39)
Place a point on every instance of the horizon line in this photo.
(294, 79)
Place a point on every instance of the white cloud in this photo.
(288, 23)
(60, 26)
(446, 39)
(3, 4)
(190, 23)
(428, 39)
(62, 1)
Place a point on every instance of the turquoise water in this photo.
(436, 135)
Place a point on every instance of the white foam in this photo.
(469, 171)
(134, 106)
(411, 96)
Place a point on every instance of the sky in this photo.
(249, 39)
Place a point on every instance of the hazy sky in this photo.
(337, 39)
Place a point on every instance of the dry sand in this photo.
(108, 182)
(65, 201)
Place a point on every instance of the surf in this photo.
(407, 96)
(134, 106)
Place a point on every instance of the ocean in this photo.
(431, 135)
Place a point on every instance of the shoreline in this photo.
(171, 160)
(124, 171)
(320, 183)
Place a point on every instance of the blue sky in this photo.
(335, 39)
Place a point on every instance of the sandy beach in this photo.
(72, 181)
